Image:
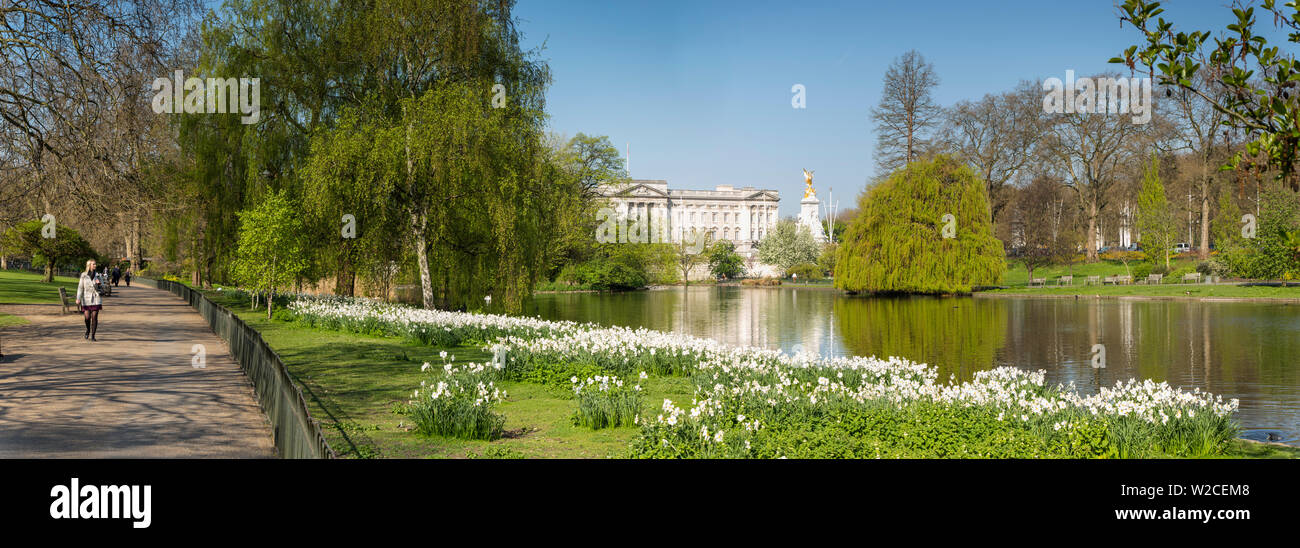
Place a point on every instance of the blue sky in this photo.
(701, 89)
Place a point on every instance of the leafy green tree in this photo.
(1155, 219)
(1226, 227)
(66, 249)
(1270, 254)
(826, 261)
(897, 243)
(594, 160)
(788, 244)
(1257, 79)
(724, 262)
(273, 249)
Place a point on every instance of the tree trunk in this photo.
(1091, 237)
(270, 302)
(422, 256)
(49, 271)
(419, 220)
(345, 279)
(1205, 211)
(137, 258)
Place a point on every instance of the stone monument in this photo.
(808, 209)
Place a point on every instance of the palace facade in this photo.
(743, 215)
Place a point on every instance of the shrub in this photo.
(897, 243)
(457, 402)
(806, 271)
(1176, 276)
(605, 401)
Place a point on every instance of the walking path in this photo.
(133, 394)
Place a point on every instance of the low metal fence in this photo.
(297, 434)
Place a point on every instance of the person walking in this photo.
(127, 276)
(88, 300)
(117, 275)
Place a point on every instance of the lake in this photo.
(1244, 350)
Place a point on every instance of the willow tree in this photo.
(923, 230)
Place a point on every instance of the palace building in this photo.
(743, 215)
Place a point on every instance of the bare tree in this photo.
(1201, 132)
(906, 113)
(1092, 151)
(74, 79)
(996, 135)
(1041, 223)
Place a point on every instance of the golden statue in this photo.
(807, 179)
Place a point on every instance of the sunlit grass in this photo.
(19, 287)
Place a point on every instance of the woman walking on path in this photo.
(88, 300)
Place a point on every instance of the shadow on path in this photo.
(133, 394)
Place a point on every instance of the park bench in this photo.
(1093, 280)
(1125, 280)
(1154, 279)
(1065, 280)
(1110, 280)
(63, 297)
(1194, 277)
(1038, 282)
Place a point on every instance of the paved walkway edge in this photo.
(297, 434)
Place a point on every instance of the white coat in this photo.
(86, 294)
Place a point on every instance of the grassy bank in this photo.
(8, 320)
(354, 383)
(1017, 276)
(746, 402)
(1161, 290)
(20, 287)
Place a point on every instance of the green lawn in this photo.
(1016, 275)
(19, 287)
(1161, 290)
(7, 320)
(354, 384)
(1252, 450)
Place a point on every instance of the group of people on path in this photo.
(89, 301)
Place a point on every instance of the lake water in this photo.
(1249, 351)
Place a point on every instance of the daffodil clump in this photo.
(457, 401)
(754, 402)
(605, 401)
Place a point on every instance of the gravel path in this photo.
(133, 394)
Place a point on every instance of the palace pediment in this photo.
(641, 191)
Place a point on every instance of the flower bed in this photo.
(753, 402)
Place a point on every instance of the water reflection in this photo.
(1249, 351)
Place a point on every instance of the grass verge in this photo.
(1162, 290)
(355, 383)
(19, 287)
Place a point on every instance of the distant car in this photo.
(1182, 247)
